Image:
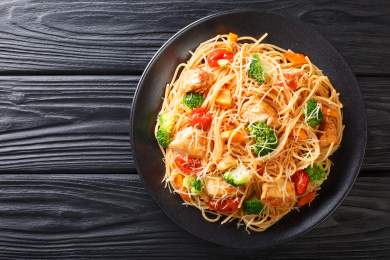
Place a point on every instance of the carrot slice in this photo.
(238, 136)
(178, 183)
(232, 37)
(300, 134)
(295, 58)
(329, 112)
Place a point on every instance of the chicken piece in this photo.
(190, 141)
(256, 111)
(217, 187)
(224, 98)
(329, 134)
(272, 193)
(198, 80)
(227, 162)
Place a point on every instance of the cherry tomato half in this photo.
(201, 118)
(224, 205)
(188, 166)
(214, 56)
(301, 180)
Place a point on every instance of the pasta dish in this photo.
(246, 129)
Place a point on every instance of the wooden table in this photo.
(68, 72)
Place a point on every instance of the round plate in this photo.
(283, 32)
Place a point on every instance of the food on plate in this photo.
(246, 129)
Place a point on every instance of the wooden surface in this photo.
(68, 187)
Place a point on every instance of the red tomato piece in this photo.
(224, 205)
(201, 118)
(292, 84)
(307, 199)
(301, 180)
(188, 166)
(292, 79)
(260, 170)
(214, 56)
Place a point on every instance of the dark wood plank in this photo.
(63, 124)
(376, 94)
(70, 36)
(81, 123)
(76, 216)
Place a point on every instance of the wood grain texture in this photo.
(81, 37)
(81, 123)
(100, 216)
(61, 124)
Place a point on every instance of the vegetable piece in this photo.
(232, 40)
(295, 58)
(224, 98)
(197, 187)
(237, 136)
(292, 79)
(307, 199)
(223, 63)
(316, 174)
(265, 137)
(299, 134)
(256, 71)
(301, 180)
(238, 176)
(164, 132)
(193, 184)
(260, 170)
(232, 37)
(201, 118)
(178, 184)
(193, 100)
(253, 206)
(214, 56)
(188, 166)
(229, 205)
(313, 114)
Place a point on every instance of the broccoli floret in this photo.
(193, 100)
(265, 137)
(197, 186)
(313, 113)
(253, 206)
(256, 71)
(194, 185)
(316, 174)
(164, 132)
(238, 176)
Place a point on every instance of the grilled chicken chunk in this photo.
(273, 194)
(217, 187)
(329, 134)
(198, 80)
(256, 111)
(190, 141)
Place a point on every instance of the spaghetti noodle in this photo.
(246, 129)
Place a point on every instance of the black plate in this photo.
(283, 32)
